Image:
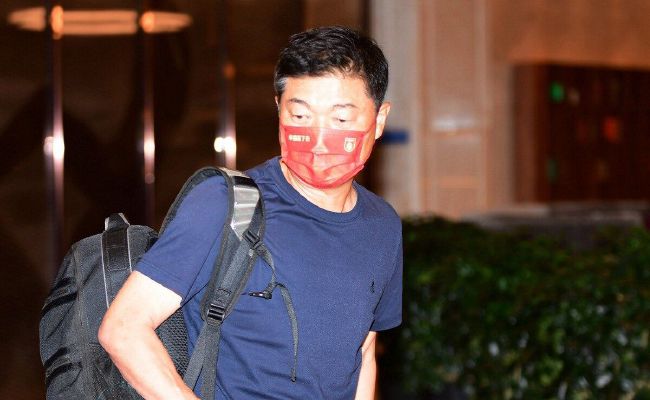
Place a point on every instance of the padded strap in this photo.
(205, 355)
(246, 198)
(230, 276)
(240, 236)
(198, 177)
(116, 262)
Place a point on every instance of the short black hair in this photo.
(333, 49)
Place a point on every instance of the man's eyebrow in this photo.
(299, 101)
(346, 105)
(296, 100)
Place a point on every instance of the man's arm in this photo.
(368, 373)
(128, 335)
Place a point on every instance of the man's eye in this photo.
(299, 116)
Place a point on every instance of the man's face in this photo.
(332, 101)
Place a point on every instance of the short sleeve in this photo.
(180, 260)
(388, 313)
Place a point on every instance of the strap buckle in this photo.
(252, 239)
(216, 313)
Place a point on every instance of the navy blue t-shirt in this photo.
(343, 271)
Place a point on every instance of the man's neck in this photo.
(339, 199)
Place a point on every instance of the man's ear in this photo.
(277, 104)
(382, 115)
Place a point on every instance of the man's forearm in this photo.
(128, 335)
(368, 373)
(144, 362)
(367, 379)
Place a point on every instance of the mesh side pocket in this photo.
(105, 379)
(173, 334)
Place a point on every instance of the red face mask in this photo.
(322, 157)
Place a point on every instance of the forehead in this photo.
(327, 90)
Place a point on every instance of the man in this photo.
(336, 247)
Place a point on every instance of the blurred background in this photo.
(508, 116)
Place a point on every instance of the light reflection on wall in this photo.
(91, 23)
(99, 22)
(55, 147)
(225, 144)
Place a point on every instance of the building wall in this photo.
(451, 80)
(395, 26)
(586, 32)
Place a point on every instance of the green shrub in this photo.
(500, 316)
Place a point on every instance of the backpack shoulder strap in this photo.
(244, 196)
(241, 235)
(196, 178)
(116, 262)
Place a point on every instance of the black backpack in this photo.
(76, 365)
